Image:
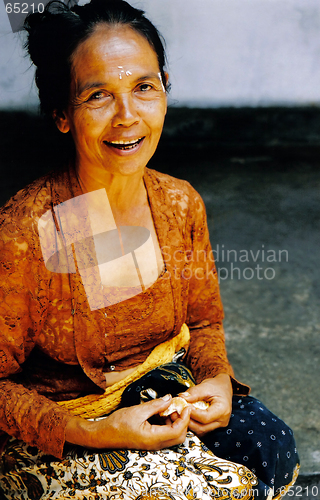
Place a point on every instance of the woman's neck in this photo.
(126, 193)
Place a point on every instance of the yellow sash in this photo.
(95, 405)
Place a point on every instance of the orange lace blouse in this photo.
(54, 347)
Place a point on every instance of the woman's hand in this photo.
(217, 392)
(129, 428)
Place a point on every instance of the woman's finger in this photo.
(203, 416)
(193, 394)
(171, 434)
(173, 416)
(202, 429)
(218, 411)
(154, 407)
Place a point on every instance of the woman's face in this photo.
(118, 102)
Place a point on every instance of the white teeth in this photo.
(127, 143)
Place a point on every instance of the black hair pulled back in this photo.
(54, 35)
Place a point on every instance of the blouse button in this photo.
(112, 367)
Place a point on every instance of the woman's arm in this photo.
(23, 304)
(32, 418)
(129, 428)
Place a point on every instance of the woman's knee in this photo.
(258, 439)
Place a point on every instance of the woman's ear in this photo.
(167, 78)
(61, 120)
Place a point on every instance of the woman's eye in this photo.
(97, 96)
(144, 87)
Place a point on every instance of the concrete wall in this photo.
(221, 53)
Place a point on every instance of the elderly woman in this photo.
(106, 272)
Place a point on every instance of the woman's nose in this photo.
(125, 111)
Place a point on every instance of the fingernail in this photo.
(186, 394)
(167, 397)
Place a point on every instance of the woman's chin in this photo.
(125, 168)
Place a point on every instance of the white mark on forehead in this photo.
(123, 72)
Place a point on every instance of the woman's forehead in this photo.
(113, 56)
(114, 45)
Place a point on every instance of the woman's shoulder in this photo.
(35, 197)
(26, 196)
(26, 207)
(175, 188)
(176, 193)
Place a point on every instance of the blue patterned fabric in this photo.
(258, 439)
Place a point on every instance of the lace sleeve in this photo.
(207, 354)
(23, 301)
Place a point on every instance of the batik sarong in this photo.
(184, 472)
(254, 456)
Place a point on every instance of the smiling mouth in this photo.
(124, 145)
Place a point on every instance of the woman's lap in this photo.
(258, 439)
(180, 473)
(254, 437)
